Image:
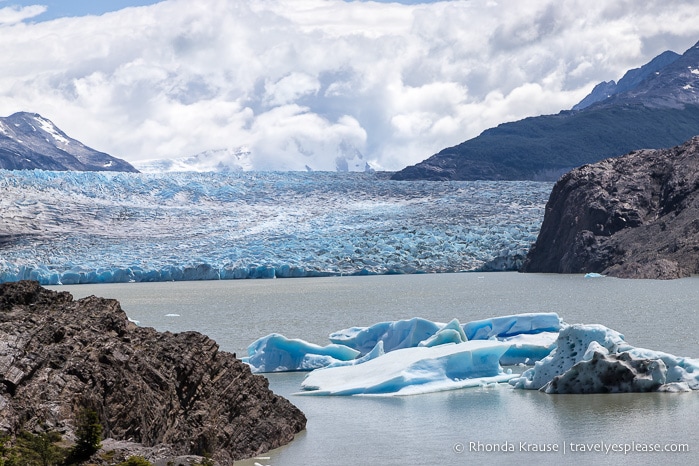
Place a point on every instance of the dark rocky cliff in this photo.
(635, 216)
(174, 391)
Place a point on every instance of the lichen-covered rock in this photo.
(635, 216)
(58, 356)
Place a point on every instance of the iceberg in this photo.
(595, 359)
(276, 353)
(413, 356)
(394, 335)
(410, 371)
(450, 333)
(500, 327)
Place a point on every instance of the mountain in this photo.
(30, 141)
(631, 80)
(219, 160)
(652, 107)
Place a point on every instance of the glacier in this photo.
(101, 227)
(577, 358)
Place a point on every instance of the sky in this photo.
(308, 83)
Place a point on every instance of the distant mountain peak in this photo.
(228, 159)
(630, 81)
(30, 141)
(651, 107)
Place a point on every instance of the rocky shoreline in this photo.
(635, 216)
(166, 395)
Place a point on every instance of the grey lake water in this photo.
(485, 425)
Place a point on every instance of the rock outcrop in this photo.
(635, 216)
(174, 391)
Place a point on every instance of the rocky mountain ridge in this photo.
(174, 394)
(655, 106)
(29, 141)
(634, 216)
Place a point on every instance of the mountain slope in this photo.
(657, 107)
(30, 141)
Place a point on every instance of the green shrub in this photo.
(88, 433)
(136, 461)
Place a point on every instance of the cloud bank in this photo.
(321, 83)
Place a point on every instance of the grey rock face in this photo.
(635, 216)
(175, 391)
(29, 141)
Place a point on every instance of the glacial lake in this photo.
(485, 425)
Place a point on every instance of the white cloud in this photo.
(14, 14)
(309, 82)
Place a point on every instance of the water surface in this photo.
(446, 428)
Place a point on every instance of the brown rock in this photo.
(635, 216)
(58, 356)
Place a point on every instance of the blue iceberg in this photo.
(414, 356)
(357, 345)
(394, 335)
(410, 371)
(506, 326)
(276, 353)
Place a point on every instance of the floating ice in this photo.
(516, 324)
(410, 371)
(425, 356)
(596, 359)
(276, 353)
(103, 227)
(527, 349)
(394, 335)
(450, 333)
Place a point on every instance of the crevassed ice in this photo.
(94, 227)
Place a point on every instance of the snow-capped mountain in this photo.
(235, 159)
(30, 141)
(217, 160)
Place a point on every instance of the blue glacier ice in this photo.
(410, 371)
(579, 358)
(276, 353)
(500, 327)
(101, 227)
(591, 358)
(393, 335)
(449, 333)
